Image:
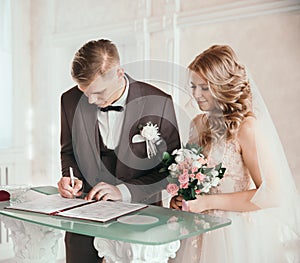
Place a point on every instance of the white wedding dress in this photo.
(252, 237)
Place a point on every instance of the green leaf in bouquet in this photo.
(192, 147)
(163, 170)
(205, 170)
(187, 194)
(217, 167)
(167, 158)
(172, 180)
(193, 183)
(221, 172)
(193, 194)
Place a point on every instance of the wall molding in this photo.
(178, 19)
(115, 31)
(233, 11)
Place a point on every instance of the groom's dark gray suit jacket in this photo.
(80, 141)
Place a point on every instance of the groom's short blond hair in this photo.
(94, 58)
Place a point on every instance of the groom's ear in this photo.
(120, 72)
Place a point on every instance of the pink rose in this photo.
(183, 178)
(200, 176)
(192, 176)
(172, 189)
(194, 169)
(184, 185)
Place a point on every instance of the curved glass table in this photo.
(163, 234)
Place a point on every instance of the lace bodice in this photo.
(236, 177)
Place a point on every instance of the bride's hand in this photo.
(198, 205)
(176, 202)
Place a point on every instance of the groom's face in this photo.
(105, 89)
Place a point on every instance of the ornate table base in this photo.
(32, 243)
(122, 252)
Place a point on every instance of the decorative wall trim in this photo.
(216, 14)
(115, 31)
(238, 10)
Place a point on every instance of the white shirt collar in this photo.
(122, 100)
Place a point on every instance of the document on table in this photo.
(49, 204)
(100, 211)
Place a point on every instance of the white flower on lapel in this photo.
(150, 132)
(150, 135)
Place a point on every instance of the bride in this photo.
(257, 192)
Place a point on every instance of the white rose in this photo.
(173, 174)
(174, 152)
(215, 181)
(180, 151)
(197, 164)
(206, 188)
(172, 167)
(214, 173)
(194, 156)
(187, 153)
(179, 158)
(190, 154)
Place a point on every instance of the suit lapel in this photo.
(89, 117)
(133, 112)
(85, 141)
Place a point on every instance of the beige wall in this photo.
(265, 35)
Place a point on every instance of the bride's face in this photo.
(201, 92)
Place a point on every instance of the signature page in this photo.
(102, 211)
(49, 204)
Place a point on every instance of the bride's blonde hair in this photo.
(230, 87)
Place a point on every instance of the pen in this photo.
(72, 177)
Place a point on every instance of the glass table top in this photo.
(160, 225)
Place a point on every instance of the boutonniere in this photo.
(149, 134)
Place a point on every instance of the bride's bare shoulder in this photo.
(247, 129)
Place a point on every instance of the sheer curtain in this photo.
(6, 92)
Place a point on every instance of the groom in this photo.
(113, 132)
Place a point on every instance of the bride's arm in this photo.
(238, 201)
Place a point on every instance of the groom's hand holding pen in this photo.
(70, 187)
(72, 181)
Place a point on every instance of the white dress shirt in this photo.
(110, 125)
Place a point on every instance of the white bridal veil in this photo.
(278, 192)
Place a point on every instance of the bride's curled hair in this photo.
(229, 85)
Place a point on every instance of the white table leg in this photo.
(32, 243)
(121, 252)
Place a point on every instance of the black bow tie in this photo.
(110, 107)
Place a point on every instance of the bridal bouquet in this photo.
(189, 174)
